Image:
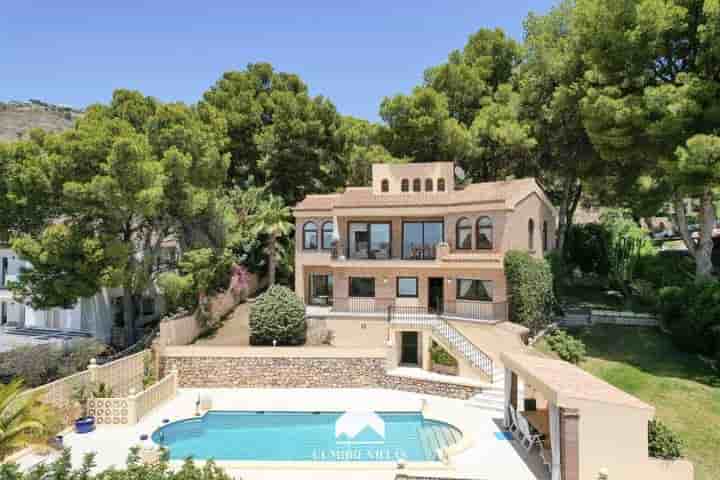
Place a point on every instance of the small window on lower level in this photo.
(472, 289)
(362, 287)
(407, 287)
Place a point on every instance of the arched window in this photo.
(441, 185)
(310, 236)
(531, 235)
(463, 234)
(484, 234)
(385, 186)
(327, 235)
(405, 185)
(428, 185)
(416, 185)
(544, 237)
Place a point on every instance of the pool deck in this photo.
(486, 458)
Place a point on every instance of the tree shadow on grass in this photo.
(647, 349)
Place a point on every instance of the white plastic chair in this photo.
(529, 438)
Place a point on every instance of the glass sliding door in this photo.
(420, 239)
(369, 240)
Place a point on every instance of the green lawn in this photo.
(684, 390)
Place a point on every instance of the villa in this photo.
(389, 273)
(421, 250)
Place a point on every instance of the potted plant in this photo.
(85, 423)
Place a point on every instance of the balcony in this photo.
(484, 312)
(341, 253)
(362, 305)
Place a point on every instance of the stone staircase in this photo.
(492, 397)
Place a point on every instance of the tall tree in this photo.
(654, 73)
(502, 143)
(474, 73)
(362, 149)
(280, 136)
(130, 176)
(479, 85)
(551, 85)
(419, 126)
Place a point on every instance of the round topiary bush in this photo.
(278, 314)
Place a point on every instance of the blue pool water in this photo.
(301, 436)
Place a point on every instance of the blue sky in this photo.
(354, 52)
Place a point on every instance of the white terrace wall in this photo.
(121, 376)
(128, 410)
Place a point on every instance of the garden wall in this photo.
(610, 317)
(295, 368)
(183, 329)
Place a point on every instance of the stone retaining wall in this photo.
(298, 372)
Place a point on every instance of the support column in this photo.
(514, 390)
(570, 443)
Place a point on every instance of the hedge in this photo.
(530, 289)
(278, 315)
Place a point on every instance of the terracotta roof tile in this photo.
(508, 192)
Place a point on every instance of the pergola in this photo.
(596, 431)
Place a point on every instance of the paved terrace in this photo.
(489, 457)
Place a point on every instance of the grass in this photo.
(684, 389)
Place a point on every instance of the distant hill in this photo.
(16, 118)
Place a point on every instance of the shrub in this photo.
(567, 347)
(135, 469)
(586, 249)
(41, 364)
(278, 314)
(666, 269)
(530, 287)
(440, 356)
(663, 442)
(692, 315)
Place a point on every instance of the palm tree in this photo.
(20, 416)
(272, 219)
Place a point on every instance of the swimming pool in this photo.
(307, 436)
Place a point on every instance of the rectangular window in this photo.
(407, 287)
(321, 289)
(420, 239)
(469, 289)
(369, 240)
(362, 287)
(148, 306)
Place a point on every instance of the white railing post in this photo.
(132, 407)
(92, 369)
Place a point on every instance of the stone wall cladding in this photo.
(289, 372)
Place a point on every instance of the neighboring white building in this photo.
(93, 315)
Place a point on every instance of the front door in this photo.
(435, 294)
(410, 348)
